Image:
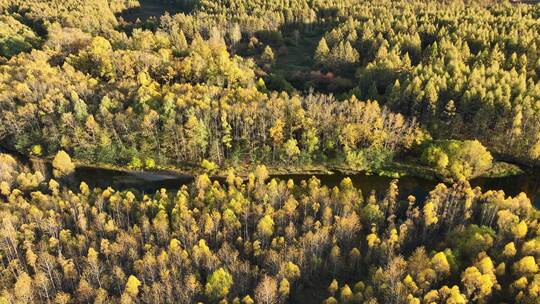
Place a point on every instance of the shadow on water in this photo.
(420, 188)
(141, 181)
(408, 185)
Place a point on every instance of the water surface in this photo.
(149, 182)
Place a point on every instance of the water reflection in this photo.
(149, 182)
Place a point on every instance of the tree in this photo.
(333, 287)
(449, 111)
(520, 230)
(261, 174)
(94, 265)
(440, 264)
(235, 34)
(266, 291)
(265, 227)
(132, 286)
(535, 148)
(431, 95)
(180, 41)
(284, 288)
(276, 133)
(478, 285)
(392, 277)
(516, 128)
(351, 55)
(290, 271)
(218, 284)
(330, 300)
(8, 168)
(96, 59)
(322, 52)
(526, 266)
(62, 165)
(208, 166)
(509, 250)
(291, 148)
(267, 56)
(15, 37)
(346, 294)
(23, 289)
(247, 300)
(459, 159)
(62, 298)
(436, 157)
(310, 140)
(197, 137)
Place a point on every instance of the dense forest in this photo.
(262, 241)
(298, 82)
(239, 89)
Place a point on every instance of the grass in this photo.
(502, 169)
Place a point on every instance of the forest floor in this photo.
(149, 9)
(298, 56)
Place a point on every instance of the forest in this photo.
(235, 93)
(261, 240)
(381, 82)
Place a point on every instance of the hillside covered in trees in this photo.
(445, 90)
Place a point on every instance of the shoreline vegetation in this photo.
(395, 169)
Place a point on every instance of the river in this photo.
(149, 182)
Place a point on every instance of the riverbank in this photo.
(150, 181)
(414, 179)
(396, 169)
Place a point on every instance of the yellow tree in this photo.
(62, 165)
(132, 286)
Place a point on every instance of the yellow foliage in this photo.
(132, 286)
(62, 164)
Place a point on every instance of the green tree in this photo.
(218, 284)
(291, 149)
(458, 159)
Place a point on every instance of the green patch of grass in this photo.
(399, 169)
(502, 169)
